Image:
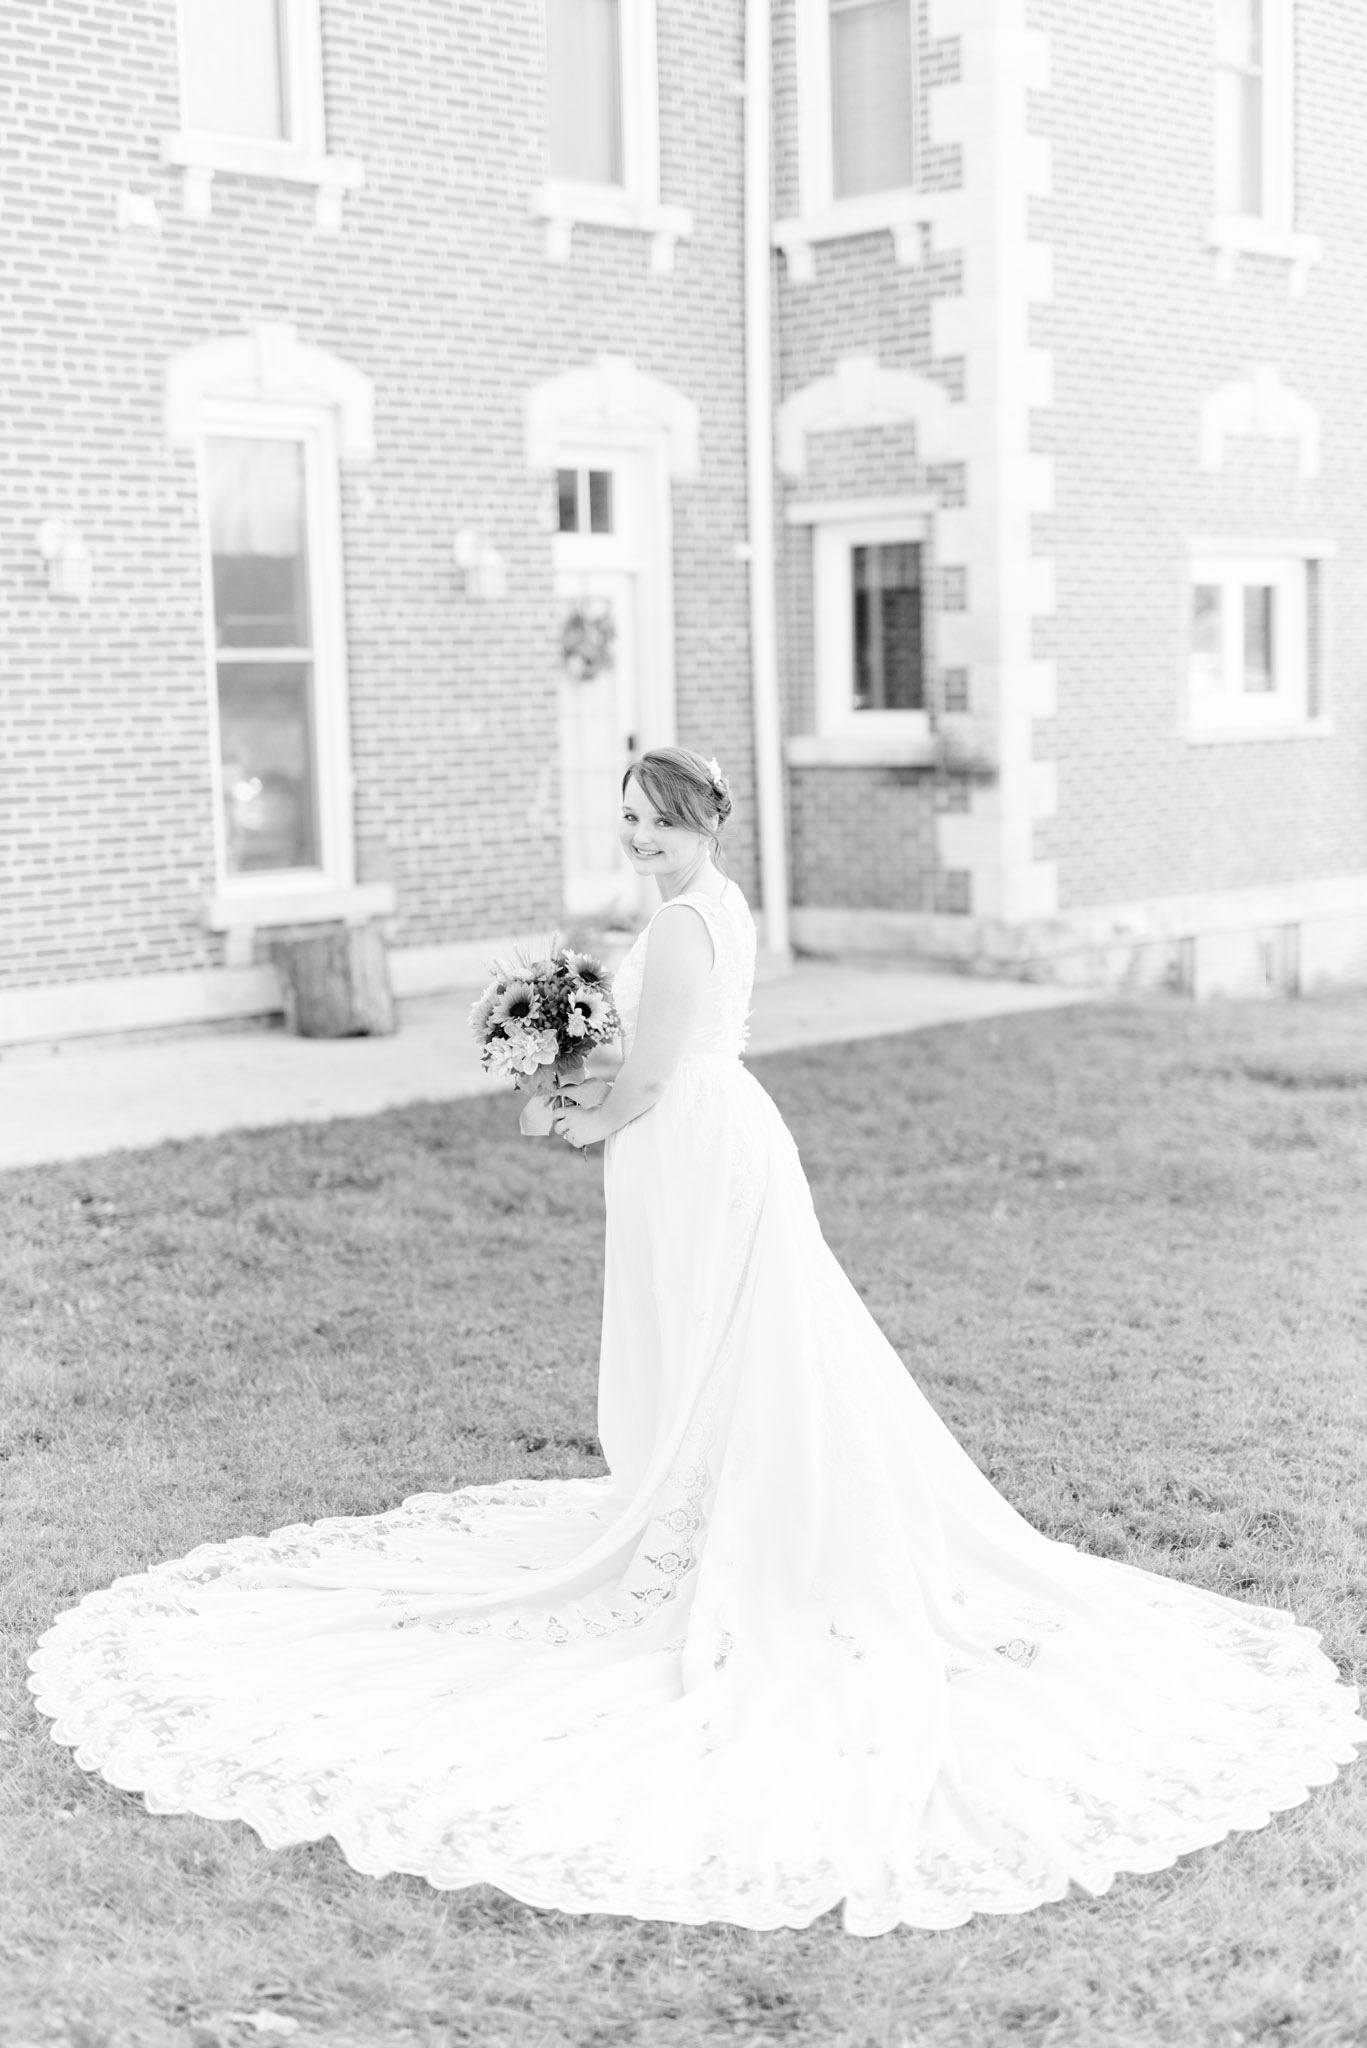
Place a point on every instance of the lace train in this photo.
(794, 1651)
(634, 1769)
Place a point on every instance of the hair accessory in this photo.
(721, 789)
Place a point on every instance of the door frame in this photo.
(646, 552)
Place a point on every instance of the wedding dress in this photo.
(794, 1651)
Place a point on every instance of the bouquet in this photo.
(536, 1024)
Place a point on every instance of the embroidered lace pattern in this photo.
(795, 1650)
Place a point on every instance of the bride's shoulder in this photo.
(679, 938)
(727, 901)
(719, 909)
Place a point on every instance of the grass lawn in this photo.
(1124, 1250)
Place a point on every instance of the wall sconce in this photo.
(483, 568)
(69, 564)
(137, 210)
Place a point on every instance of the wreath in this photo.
(586, 642)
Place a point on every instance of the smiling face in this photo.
(653, 845)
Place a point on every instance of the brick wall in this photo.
(864, 838)
(439, 288)
(860, 838)
(1141, 332)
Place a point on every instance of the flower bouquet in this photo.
(536, 1024)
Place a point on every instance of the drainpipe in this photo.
(759, 445)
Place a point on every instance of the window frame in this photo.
(1273, 231)
(635, 122)
(833, 545)
(301, 84)
(865, 211)
(314, 428)
(1277, 213)
(300, 156)
(1235, 566)
(635, 203)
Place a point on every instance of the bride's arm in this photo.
(677, 964)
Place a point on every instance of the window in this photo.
(234, 69)
(585, 500)
(264, 670)
(277, 684)
(1254, 131)
(251, 101)
(602, 127)
(888, 640)
(857, 130)
(870, 92)
(584, 90)
(871, 627)
(1254, 640)
(1240, 92)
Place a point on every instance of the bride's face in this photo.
(653, 845)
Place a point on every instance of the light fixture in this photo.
(483, 568)
(69, 565)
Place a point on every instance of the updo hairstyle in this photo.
(683, 789)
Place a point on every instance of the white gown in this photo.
(795, 1650)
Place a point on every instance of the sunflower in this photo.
(516, 1005)
(585, 968)
(589, 1013)
(482, 1009)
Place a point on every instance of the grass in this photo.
(1124, 1250)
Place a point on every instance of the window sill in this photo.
(201, 157)
(1233, 235)
(564, 206)
(261, 912)
(914, 748)
(903, 215)
(1290, 728)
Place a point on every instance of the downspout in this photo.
(759, 447)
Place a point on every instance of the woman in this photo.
(794, 1650)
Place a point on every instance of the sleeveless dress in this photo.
(794, 1651)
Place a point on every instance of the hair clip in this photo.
(713, 770)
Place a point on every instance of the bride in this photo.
(792, 1651)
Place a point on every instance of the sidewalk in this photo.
(84, 1097)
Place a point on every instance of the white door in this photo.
(602, 688)
(598, 720)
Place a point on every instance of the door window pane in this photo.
(871, 111)
(234, 68)
(600, 501)
(1259, 628)
(584, 497)
(584, 90)
(258, 538)
(889, 664)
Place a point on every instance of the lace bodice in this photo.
(721, 1029)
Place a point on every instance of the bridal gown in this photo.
(793, 1651)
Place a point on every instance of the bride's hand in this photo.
(586, 1094)
(578, 1127)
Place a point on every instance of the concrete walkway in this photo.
(87, 1097)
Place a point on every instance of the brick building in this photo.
(1076, 368)
(388, 447)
